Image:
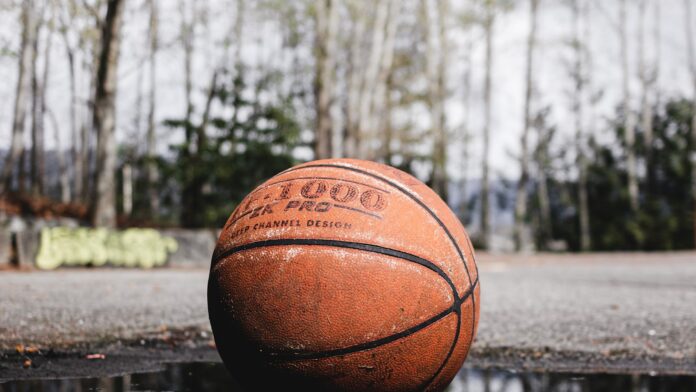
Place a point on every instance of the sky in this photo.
(263, 45)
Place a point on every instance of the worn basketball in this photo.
(343, 275)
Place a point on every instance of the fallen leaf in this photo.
(31, 350)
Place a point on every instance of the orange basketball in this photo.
(343, 275)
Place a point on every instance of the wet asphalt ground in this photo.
(600, 312)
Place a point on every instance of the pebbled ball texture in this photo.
(343, 275)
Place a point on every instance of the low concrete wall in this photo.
(195, 247)
(5, 247)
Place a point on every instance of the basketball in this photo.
(343, 275)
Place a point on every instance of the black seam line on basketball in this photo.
(320, 178)
(455, 307)
(404, 191)
(343, 244)
(357, 210)
(442, 225)
(449, 354)
(305, 355)
(458, 311)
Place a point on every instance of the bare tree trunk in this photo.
(351, 142)
(28, 19)
(44, 89)
(578, 75)
(326, 28)
(238, 33)
(545, 230)
(692, 69)
(152, 170)
(647, 79)
(74, 131)
(201, 135)
(187, 42)
(544, 210)
(37, 118)
(104, 193)
(127, 175)
(521, 198)
(22, 174)
(190, 194)
(585, 236)
(629, 116)
(238, 63)
(86, 149)
(388, 131)
(436, 61)
(381, 112)
(583, 203)
(137, 109)
(657, 41)
(466, 132)
(193, 190)
(487, 94)
(41, 172)
(369, 80)
(84, 158)
(64, 176)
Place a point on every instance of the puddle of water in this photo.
(203, 377)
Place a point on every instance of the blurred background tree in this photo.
(212, 174)
(546, 125)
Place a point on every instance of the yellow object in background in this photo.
(144, 248)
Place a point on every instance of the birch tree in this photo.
(187, 41)
(196, 137)
(37, 162)
(325, 47)
(489, 31)
(370, 60)
(91, 44)
(351, 143)
(61, 152)
(542, 162)
(191, 187)
(370, 79)
(436, 69)
(465, 136)
(382, 106)
(104, 193)
(152, 170)
(521, 197)
(578, 77)
(657, 42)
(628, 114)
(646, 75)
(41, 169)
(70, 52)
(688, 21)
(26, 54)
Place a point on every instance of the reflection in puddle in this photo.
(213, 377)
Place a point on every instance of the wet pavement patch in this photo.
(202, 376)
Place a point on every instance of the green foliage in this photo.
(664, 218)
(251, 140)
